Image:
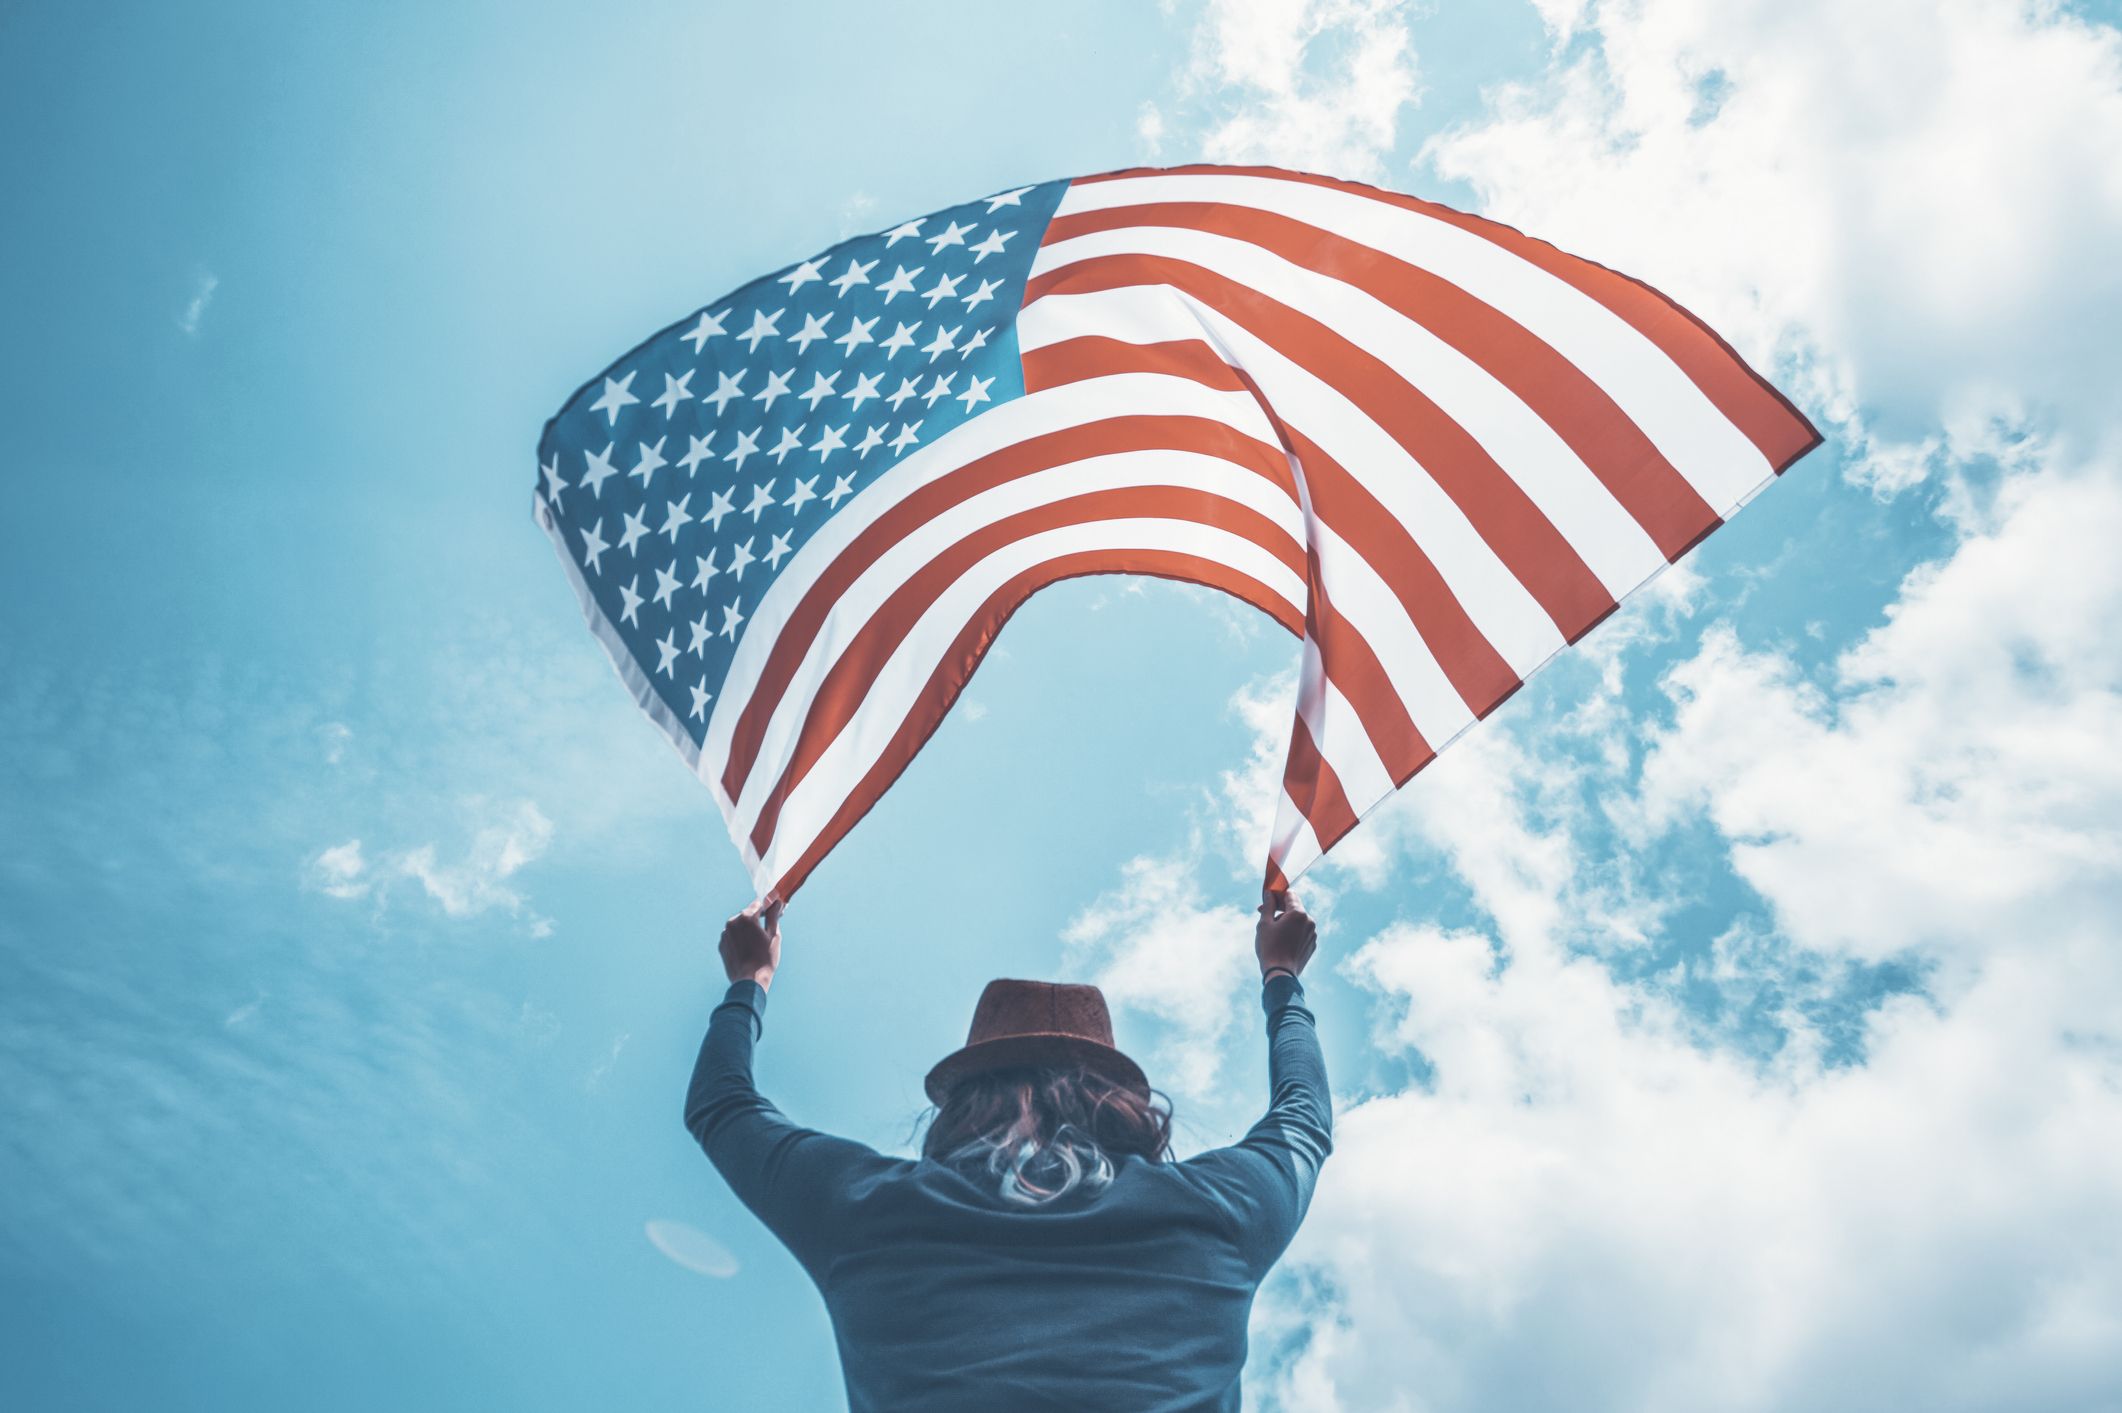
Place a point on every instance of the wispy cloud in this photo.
(504, 839)
(340, 871)
(195, 309)
(595, 1078)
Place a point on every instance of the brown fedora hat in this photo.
(1037, 1023)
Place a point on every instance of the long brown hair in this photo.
(1041, 1132)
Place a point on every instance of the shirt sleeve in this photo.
(1266, 1178)
(790, 1177)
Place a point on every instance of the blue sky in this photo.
(356, 933)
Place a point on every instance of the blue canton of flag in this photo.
(678, 482)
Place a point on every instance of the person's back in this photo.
(1041, 1254)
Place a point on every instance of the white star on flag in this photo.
(709, 326)
(615, 397)
(675, 391)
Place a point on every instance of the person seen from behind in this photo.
(1045, 1251)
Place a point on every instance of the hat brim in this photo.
(1033, 1049)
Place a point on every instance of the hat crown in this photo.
(1009, 1007)
(1037, 1023)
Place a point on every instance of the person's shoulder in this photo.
(1186, 1179)
(1213, 1172)
(1160, 1193)
(1190, 1195)
(882, 1170)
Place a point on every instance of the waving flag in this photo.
(1433, 448)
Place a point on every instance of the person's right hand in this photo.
(751, 944)
(1286, 936)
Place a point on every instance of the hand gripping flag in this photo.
(1433, 448)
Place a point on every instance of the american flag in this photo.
(1431, 447)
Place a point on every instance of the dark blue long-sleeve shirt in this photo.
(944, 1296)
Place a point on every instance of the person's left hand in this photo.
(1286, 936)
(751, 943)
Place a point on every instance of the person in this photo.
(1044, 1252)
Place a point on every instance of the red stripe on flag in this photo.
(1310, 781)
(1094, 356)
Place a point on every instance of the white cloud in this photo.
(1589, 1209)
(1922, 196)
(195, 309)
(502, 843)
(1249, 792)
(1154, 946)
(1149, 131)
(504, 839)
(1602, 1200)
(1312, 84)
(1890, 467)
(340, 871)
(1962, 761)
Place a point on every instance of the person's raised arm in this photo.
(787, 1175)
(1268, 1175)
